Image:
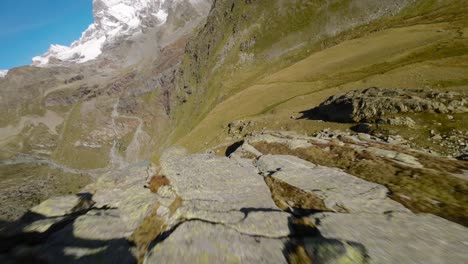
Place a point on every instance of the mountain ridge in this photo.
(114, 21)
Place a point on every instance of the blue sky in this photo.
(28, 27)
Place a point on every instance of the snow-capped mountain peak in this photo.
(113, 19)
(3, 73)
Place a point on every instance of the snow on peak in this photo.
(113, 19)
(3, 73)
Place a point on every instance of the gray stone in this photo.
(398, 121)
(400, 237)
(200, 242)
(397, 156)
(337, 188)
(43, 225)
(59, 206)
(224, 190)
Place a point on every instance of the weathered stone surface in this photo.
(131, 200)
(42, 226)
(58, 206)
(245, 151)
(100, 225)
(91, 232)
(337, 188)
(398, 121)
(400, 237)
(224, 190)
(200, 242)
(397, 156)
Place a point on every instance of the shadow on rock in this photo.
(307, 245)
(341, 113)
(232, 148)
(36, 238)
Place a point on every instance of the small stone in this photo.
(364, 137)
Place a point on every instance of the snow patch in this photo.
(161, 15)
(113, 19)
(3, 73)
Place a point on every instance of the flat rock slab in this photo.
(96, 237)
(337, 188)
(400, 237)
(200, 242)
(63, 205)
(223, 190)
(397, 156)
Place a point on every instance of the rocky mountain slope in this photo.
(264, 203)
(326, 131)
(91, 116)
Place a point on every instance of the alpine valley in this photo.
(241, 131)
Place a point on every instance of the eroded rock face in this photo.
(373, 103)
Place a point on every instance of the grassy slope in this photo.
(425, 45)
(76, 126)
(245, 41)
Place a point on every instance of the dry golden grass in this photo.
(147, 231)
(298, 255)
(151, 227)
(286, 196)
(157, 181)
(398, 57)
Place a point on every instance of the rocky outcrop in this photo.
(372, 104)
(256, 208)
(339, 190)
